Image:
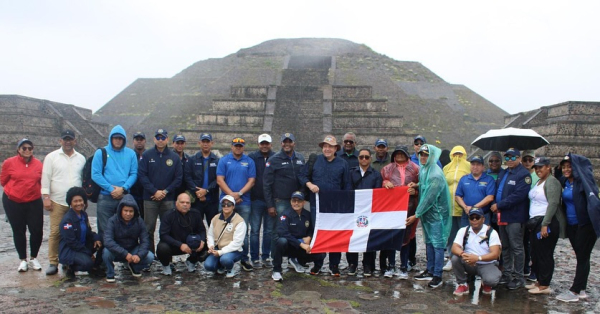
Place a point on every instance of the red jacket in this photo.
(22, 181)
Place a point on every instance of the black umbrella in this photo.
(503, 139)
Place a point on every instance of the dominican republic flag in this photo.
(360, 220)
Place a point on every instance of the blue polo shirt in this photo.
(473, 191)
(236, 173)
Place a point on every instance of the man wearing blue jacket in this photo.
(512, 210)
(160, 173)
(117, 177)
(126, 240)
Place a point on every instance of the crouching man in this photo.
(295, 230)
(475, 250)
(126, 240)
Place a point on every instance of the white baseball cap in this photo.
(264, 138)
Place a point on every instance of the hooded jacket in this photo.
(456, 169)
(121, 165)
(22, 181)
(120, 237)
(585, 192)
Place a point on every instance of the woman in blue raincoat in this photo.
(434, 212)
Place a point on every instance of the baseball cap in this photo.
(264, 138)
(298, 195)
(161, 132)
(541, 161)
(238, 141)
(139, 134)
(178, 138)
(381, 141)
(288, 135)
(229, 198)
(513, 152)
(476, 158)
(476, 211)
(205, 136)
(23, 141)
(420, 138)
(67, 133)
(565, 159)
(529, 153)
(424, 149)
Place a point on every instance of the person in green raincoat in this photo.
(434, 212)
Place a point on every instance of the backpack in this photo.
(92, 190)
(488, 233)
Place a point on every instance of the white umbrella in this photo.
(503, 139)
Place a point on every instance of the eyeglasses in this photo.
(227, 204)
(513, 158)
(527, 159)
(348, 142)
(474, 217)
(238, 140)
(27, 148)
(361, 157)
(491, 161)
(160, 137)
(418, 143)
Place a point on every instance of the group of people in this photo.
(481, 221)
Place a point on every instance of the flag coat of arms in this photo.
(360, 220)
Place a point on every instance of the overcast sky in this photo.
(520, 55)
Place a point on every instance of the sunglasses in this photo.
(160, 137)
(527, 159)
(513, 158)
(27, 148)
(367, 157)
(474, 217)
(238, 140)
(418, 143)
(348, 142)
(227, 204)
(492, 161)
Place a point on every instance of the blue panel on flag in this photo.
(336, 202)
(385, 239)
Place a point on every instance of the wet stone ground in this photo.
(256, 292)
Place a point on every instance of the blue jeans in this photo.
(244, 211)
(105, 208)
(435, 260)
(281, 205)
(212, 263)
(259, 215)
(456, 221)
(109, 258)
(404, 252)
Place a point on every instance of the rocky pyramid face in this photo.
(308, 87)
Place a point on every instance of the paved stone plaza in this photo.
(255, 292)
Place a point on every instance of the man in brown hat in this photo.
(329, 173)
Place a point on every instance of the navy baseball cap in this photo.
(513, 152)
(23, 141)
(420, 138)
(476, 158)
(541, 161)
(238, 141)
(66, 134)
(178, 138)
(381, 141)
(139, 134)
(206, 136)
(288, 136)
(476, 211)
(161, 132)
(298, 195)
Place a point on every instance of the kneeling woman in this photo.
(546, 223)
(225, 238)
(77, 240)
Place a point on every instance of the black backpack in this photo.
(92, 190)
(488, 233)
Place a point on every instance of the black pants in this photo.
(542, 252)
(208, 210)
(23, 216)
(283, 248)
(412, 255)
(368, 259)
(165, 253)
(583, 239)
(527, 250)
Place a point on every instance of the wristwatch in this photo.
(480, 258)
(240, 194)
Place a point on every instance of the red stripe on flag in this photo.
(385, 200)
(331, 241)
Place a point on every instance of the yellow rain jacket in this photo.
(456, 169)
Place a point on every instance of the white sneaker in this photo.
(81, 273)
(23, 266)
(231, 273)
(389, 273)
(167, 271)
(402, 275)
(221, 271)
(296, 264)
(582, 295)
(277, 276)
(568, 296)
(448, 266)
(191, 267)
(35, 264)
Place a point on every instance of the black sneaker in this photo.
(424, 276)
(515, 284)
(315, 270)
(504, 280)
(133, 272)
(368, 272)
(352, 270)
(435, 282)
(246, 266)
(335, 271)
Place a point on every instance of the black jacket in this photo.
(194, 175)
(514, 204)
(121, 238)
(175, 227)
(160, 171)
(294, 227)
(70, 235)
(371, 180)
(257, 192)
(280, 179)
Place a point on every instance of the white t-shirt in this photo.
(476, 243)
(539, 203)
